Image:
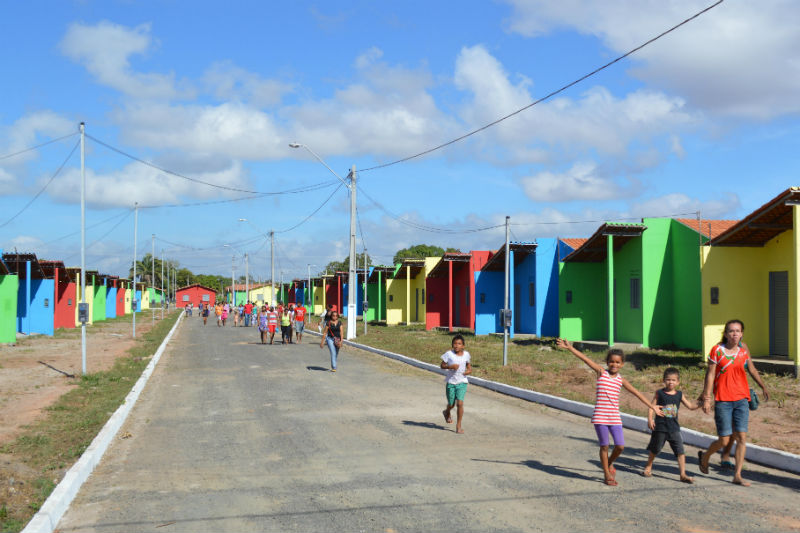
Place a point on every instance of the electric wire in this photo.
(57, 172)
(115, 226)
(87, 227)
(312, 213)
(548, 96)
(297, 190)
(51, 141)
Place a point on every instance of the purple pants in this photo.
(603, 430)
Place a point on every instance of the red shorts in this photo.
(271, 328)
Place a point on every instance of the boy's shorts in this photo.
(299, 326)
(658, 438)
(455, 391)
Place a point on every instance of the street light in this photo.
(351, 275)
(271, 253)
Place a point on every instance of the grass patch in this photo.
(58, 440)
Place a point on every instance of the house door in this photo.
(456, 306)
(779, 313)
(517, 307)
(416, 305)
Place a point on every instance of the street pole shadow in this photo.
(428, 425)
(555, 470)
(317, 368)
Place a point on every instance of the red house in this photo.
(122, 286)
(65, 291)
(451, 290)
(196, 295)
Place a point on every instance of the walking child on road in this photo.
(665, 428)
(263, 327)
(606, 417)
(272, 323)
(299, 321)
(205, 314)
(332, 335)
(218, 313)
(458, 365)
(286, 326)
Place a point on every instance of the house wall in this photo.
(64, 316)
(585, 318)
(9, 286)
(98, 301)
(487, 313)
(111, 302)
(36, 306)
(146, 298)
(376, 294)
(628, 321)
(547, 287)
(742, 276)
(265, 293)
(120, 303)
(437, 304)
(359, 299)
(89, 300)
(195, 295)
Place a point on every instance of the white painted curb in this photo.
(755, 454)
(58, 502)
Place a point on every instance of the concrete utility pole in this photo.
(163, 296)
(153, 274)
(363, 309)
(135, 237)
(272, 265)
(83, 249)
(246, 278)
(505, 305)
(233, 286)
(310, 290)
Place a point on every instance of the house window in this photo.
(636, 293)
(69, 301)
(531, 294)
(483, 297)
(46, 302)
(185, 297)
(568, 297)
(391, 297)
(206, 297)
(423, 295)
(430, 298)
(714, 295)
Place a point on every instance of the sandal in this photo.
(611, 482)
(700, 462)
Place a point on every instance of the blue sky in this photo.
(704, 119)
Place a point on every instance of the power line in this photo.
(115, 226)
(43, 188)
(547, 97)
(87, 227)
(312, 213)
(209, 184)
(51, 141)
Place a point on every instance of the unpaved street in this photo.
(230, 435)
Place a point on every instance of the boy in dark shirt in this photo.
(665, 428)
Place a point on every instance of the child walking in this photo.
(458, 366)
(665, 428)
(606, 418)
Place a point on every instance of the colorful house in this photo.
(376, 292)
(98, 294)
(333, 290)
(111, 296)
(122, 291)
(751, 272)
(317, 296)
(64, 296)
(261, 294)
(533, 289)
(75, 273)
(635, 283)
(9, 286)
(359, 293)
(240, 295)
(451, 290)
(35, 296)
(144, 295)
(196, 294)
(405, 292)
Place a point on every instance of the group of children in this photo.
(288, 317)
(662, 409)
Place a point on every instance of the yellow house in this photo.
(76, 274)
(750, 272)
(128, 291)
(145, 304)
(405, 292)
(318, 296)
(261, 294)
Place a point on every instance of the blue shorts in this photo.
(603, 430)
(731, 416)
(455, 391)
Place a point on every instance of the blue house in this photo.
(359, 293)
(35, 297)
(533, 289)
(111, 296)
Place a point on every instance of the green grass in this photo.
(59, 439)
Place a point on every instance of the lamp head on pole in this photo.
(295, 145)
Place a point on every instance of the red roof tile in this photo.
(574, 243)
(709, 228)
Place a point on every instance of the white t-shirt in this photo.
(456, 376)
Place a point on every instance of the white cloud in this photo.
(105, 50)
(145, 185)
(596, 121)
(582, 181)
(8, 182)
(671, 204)
(738, 59)
(31, 129)
(229, 82)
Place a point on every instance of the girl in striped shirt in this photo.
(606, 418)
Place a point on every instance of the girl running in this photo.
(606, 418)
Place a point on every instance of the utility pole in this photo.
(135, 237)
(506, 314)
(233, 287)
(363, 309)
(153, 274)
(272, 265)
(82, 314)
(352, 283)
(246, 278)
(163, 296)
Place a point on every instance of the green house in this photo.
(634, 283)
(9, 285)
(376, 293)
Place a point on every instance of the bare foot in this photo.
(447, 417)
(740, 481)
(646, 472)
(460, 431)
(612, 471)
(611, 482)
(687, 479)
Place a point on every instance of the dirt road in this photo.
(230, 435)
